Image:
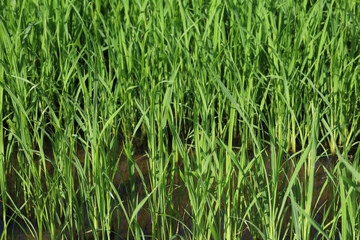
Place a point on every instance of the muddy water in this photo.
(17, 228)
(321, 199)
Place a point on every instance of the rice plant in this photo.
(179, 119)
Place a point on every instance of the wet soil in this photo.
(322, 197)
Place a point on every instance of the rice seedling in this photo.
(179, 119)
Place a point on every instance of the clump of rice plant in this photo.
(179, 119)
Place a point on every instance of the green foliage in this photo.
(233, 103)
